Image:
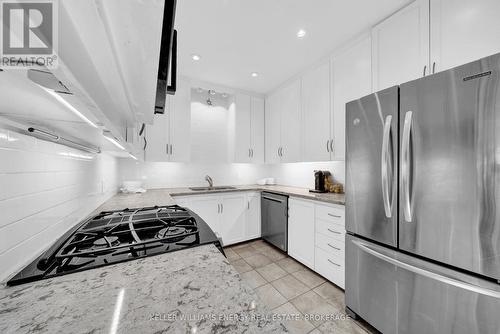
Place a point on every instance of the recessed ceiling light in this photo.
(301, 33)
(195, 57)
(254, 74)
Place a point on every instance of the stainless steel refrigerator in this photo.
(423, 203)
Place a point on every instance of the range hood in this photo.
(167, 68)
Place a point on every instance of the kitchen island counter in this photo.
(194, 290)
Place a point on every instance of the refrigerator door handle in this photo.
(406, 165)
(386, 167)
(427, 273)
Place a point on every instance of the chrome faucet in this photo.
(210, 181)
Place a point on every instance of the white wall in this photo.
(301, 174)
(45, 189)
(172, 175)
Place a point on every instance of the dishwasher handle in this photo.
(272, 199)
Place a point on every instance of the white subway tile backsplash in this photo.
(45, 188)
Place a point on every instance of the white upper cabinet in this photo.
(463, 31)
(283, 117)
(316, 134)
(352, 79)
(290, 122)
(273, 129)
(246, 124)
(257, 130)
(242, 128)
(168, 139)
(401, 46)
(180, 123)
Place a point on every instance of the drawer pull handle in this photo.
(334, 216)
(334, 247)
(336, 232)
(338, 265)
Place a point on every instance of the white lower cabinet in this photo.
(234, 216)
(300, 233)
(316, 237)
(253, 216)
(208, 208)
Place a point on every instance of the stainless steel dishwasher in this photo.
(274, 221)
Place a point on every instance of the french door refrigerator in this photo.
(423, 203)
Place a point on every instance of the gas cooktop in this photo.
(116, 236)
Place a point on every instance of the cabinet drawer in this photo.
(332, 246)
(330, 267)
(331, 214)
(331, 230)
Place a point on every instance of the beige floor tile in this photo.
(289, 287)
(271, 272)
(273, 253)
(316, 308)
(270, 296)
(256, 244)
(294, 326)
(309, 278)
(341, 326)
(253, 279)
(238, 246)
(330, 291)
(231, 254)
(290, 265)
(241, 266)
(245, 251)
(258, 260)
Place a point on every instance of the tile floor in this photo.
(288, 287)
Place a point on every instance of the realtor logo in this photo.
(28, 33)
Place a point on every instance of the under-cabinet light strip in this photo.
(63, 141)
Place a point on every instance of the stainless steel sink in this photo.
(211, 188)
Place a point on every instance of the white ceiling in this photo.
(237, 37)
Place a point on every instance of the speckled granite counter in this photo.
(180, 292)
(167, 196)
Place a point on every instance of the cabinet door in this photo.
(316, 114)
(253, 216)
(208, 208)
(401, 46)
(352, 76)
(301, 231)
(463, 31)
(290, 110)
(233, 222)
(242, 125)
(157, 139)
(273, 128)
(257, 130)
(180, 123)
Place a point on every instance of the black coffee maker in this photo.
(319, 182)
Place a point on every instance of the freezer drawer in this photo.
(398, 293)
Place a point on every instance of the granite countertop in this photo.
(166, 196)
(188, 291)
